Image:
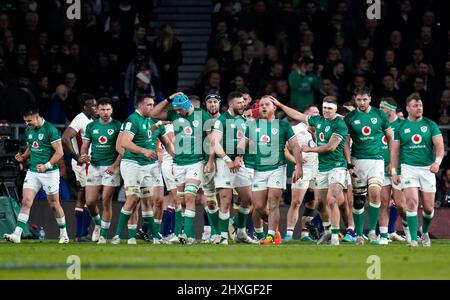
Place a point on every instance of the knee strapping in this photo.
(359, 197)
(375, 181)
(132, 190)
(191, 188)
(146, 192)
(180, 195)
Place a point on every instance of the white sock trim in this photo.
(147, 214)
(358, 211)
(61, 221)
(23, 218)
(428, 216)
(105, 225)
(383, 229)
(411, 213)
(375, 205)
(189, 213)
(243, 210)
(125, 212)
(224, 216)
(132, 226)
(259, 229)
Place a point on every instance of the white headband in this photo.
(329, 105)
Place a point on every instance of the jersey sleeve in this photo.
(385, 121)
(76, 123)
(312, 120)
(397, 130)
(162, 131)
(130, 126)
(54, 134)
(341, 130)
(288, 131)
(219, 124)
(171, 115)
(435, 131)
(207, 122)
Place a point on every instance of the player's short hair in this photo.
(412, 97)
(308, 107)
(234, 95)
(330, 99)
(141, 98)
(243, 90)
(85, 97)
(30, 111)
(389, 100)
(361, 91)
(342, 110)
(104, 101)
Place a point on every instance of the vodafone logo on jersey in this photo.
(321, 137)
(366, 130)
(35, 145)
(264, 139)
(188, 130)
(239, 134)
(416, 139)
(384, 140)
(102, 139)
(149, 134)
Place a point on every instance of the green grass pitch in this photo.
(296, 260)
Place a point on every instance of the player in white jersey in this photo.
(72, 141)
(299, 188)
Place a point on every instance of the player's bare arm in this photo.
(296, 115)
(438, 143)
(59, 153)
(331, 146)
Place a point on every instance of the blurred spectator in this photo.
(166, 51)
(14, 98)
(443, 189)
(245, 40)
(56, 113)
(302, 83)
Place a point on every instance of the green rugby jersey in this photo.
(40, 141)
(416, 141)
(233, 130)
(103, 139)
(267, 141)
(366, 131)
(325, 129)
(190, 133)
(143, 136)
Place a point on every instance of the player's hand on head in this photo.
(173, 95)
(274, 100)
